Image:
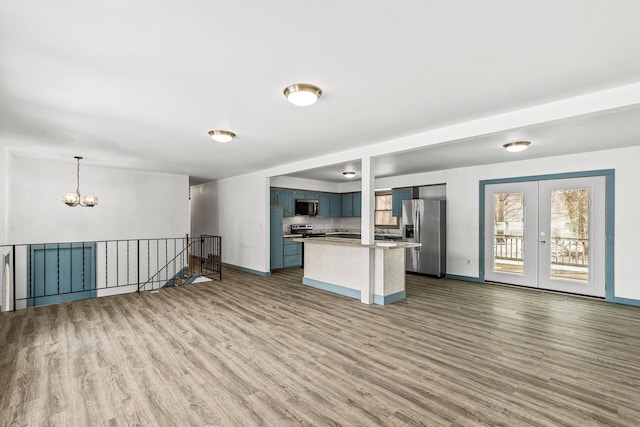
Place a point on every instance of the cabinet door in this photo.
(335, 205)
(347, 204)
(274, 197)
(398, 195)
(357, 204)
(275, 230)
(286, 200)
(323, 204)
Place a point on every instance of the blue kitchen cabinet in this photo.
(286, 201)
(308, 195)
(276, 244)
(274, 196)
(347, 204)
(398, 195)
(357, 204)
(323, 204)
(335, 205)
(292, 253)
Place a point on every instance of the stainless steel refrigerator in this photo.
(424, 221)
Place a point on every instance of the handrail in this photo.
(151, 279)
(43, 273)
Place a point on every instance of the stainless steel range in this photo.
(306, 230)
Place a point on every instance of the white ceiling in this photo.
(139, 84)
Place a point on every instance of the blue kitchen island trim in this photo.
(354, 293)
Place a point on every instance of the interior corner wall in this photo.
(204, 209)
(132, 204)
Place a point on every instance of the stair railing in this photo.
(176, 277)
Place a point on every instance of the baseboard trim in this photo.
(389, 299)
(626, 301)
(330, 287)
(464, 278)
(353, 293)
(247, 270)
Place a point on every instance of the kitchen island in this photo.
(334, 264)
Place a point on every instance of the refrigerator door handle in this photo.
(418, 228)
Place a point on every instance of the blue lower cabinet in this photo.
(292, 253)
(292, 260)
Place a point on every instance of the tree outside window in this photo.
(383, 213)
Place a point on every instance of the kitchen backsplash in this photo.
(322, 223)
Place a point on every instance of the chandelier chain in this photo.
(78, 178)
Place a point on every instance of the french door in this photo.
(548, 234)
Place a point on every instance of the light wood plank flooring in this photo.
(269, 351)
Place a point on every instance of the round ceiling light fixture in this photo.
(302, 94)
(514, 147)
(221, 135)
(349, 174)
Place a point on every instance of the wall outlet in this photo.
(468, 262)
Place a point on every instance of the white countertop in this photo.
(329, 233)
(354, 242)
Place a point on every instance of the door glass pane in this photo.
(508, 232)
(570, 234)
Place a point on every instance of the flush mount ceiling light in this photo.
(302, 94)
(221, 135)
(514, 147)
(349, 174)
(74, 199)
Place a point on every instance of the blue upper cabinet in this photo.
(286, 200)
(323, 204)
(274, 196)
(357, 204)
(329, 204)
(347, 204)
(335, 205)
(398, 195)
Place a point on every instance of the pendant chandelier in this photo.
(74, 199)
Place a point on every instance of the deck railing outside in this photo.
(564, 251)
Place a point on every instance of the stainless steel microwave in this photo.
(306, 207)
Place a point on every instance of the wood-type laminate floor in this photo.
(269, 351)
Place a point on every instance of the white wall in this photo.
(247, 240)
(4, 188)
(305, 184)
(243, 218)
(132, 204)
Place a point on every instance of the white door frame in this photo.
(609, 175)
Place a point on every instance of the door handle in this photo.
(543, 241)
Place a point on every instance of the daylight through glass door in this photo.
(569, 237)
(508, 232)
